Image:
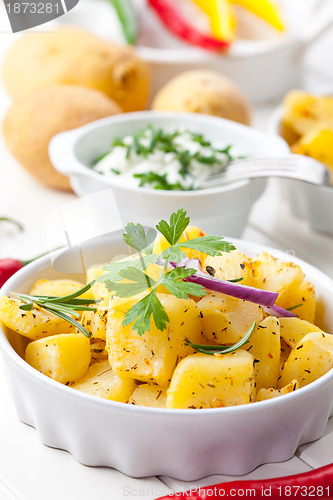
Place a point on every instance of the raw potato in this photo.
(74, 56)
(264, 345)
(153, 356)
(225, 319)
(33, 120)
(102, 382)
(203, 91)
(149, 395)
(311, 358)
(35, 324)
(271, 393)
(64, 358)
(204, 381)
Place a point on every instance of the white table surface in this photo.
(30, 470)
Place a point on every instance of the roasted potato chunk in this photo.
(230, 266)
(311, 358)
(270, 393)
(95, 322)
(34, 324)
(153, 356)
(102, 382)
(293, 330)
(302, 112)
(225, 320)
(59, 288)
(149, 395)
(64, 358)
(275, 275)
(264, 345)
(204, 381)
(304, 296)
(98, 350)
(318, 144)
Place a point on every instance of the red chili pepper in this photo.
(173, 19)
(317, 483)
(8, 267)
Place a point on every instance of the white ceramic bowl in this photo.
(141, 441)
(264, 69)
(224, 210)
(313, 203)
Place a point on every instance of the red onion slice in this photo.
(279, 312)
(262, 297)
(244, 292)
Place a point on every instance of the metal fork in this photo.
(293, 166)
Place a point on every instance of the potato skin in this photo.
(74, 56)
(32, 121)
(203, 91)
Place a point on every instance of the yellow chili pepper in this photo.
(221, 16)
(265, 9)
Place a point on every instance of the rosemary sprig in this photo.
(222, 349)
(294, 307)
(65, 307)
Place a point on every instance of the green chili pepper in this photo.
(127, 18)
(12, 221)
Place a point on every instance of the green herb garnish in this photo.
(294, 307)
(118, 142)
(142, 239)
(223, 349)
(158, 181)
(66, 307)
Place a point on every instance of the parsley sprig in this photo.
(128, 278)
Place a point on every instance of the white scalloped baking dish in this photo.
(184, 444)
